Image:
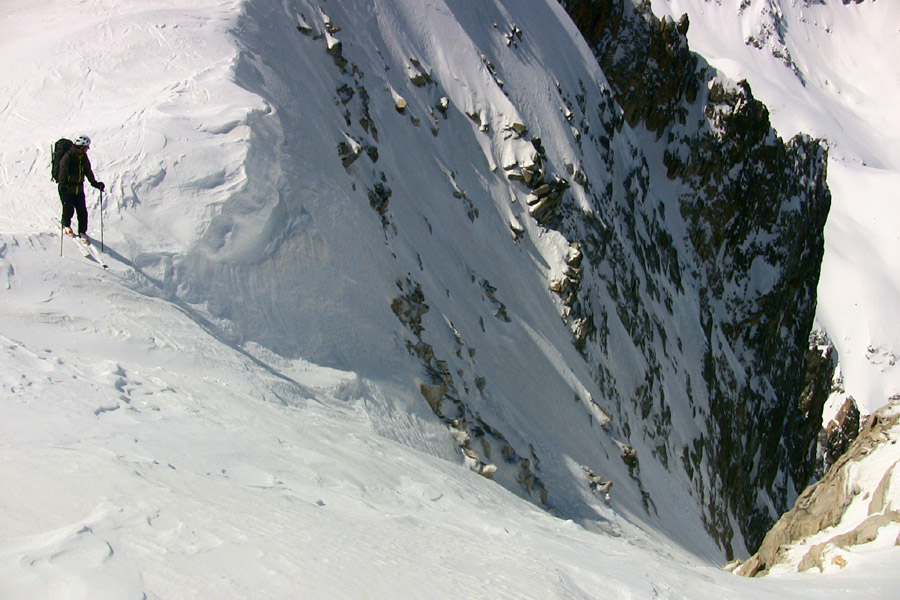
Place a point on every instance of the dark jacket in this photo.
(73, 168)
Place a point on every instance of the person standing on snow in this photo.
(73, 168)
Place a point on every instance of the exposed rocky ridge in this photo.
(824, 505)
(821, 364)
(750, 200)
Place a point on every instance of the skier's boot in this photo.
(68, 231)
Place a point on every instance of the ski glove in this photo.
(100, 185)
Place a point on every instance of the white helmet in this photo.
(82, 141)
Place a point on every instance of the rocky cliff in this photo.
(754, 209)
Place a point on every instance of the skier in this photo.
(73, 168)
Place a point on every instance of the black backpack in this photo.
(60, 148)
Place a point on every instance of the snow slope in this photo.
(141, 457)
(829, 69)
(153, 448)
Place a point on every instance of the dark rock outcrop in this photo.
(755, 208)
(838, 434)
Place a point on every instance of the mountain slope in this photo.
(451, 202)
(753, 209)
(446, 197)
(143, 458)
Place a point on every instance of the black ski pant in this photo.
(73, 203)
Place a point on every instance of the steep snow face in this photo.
(829, 69)
(442, 198)
(349, 201)
(753, 209)
(482, 194)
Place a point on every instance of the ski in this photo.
(79, 244)
(91, 251)
(86, 248)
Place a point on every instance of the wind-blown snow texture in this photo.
(150, 429)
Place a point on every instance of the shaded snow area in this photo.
(236, 407)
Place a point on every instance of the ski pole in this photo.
(60, 238)
(102, 249)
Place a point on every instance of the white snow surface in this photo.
(830, 69)
(140, 457)
(145, 452)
